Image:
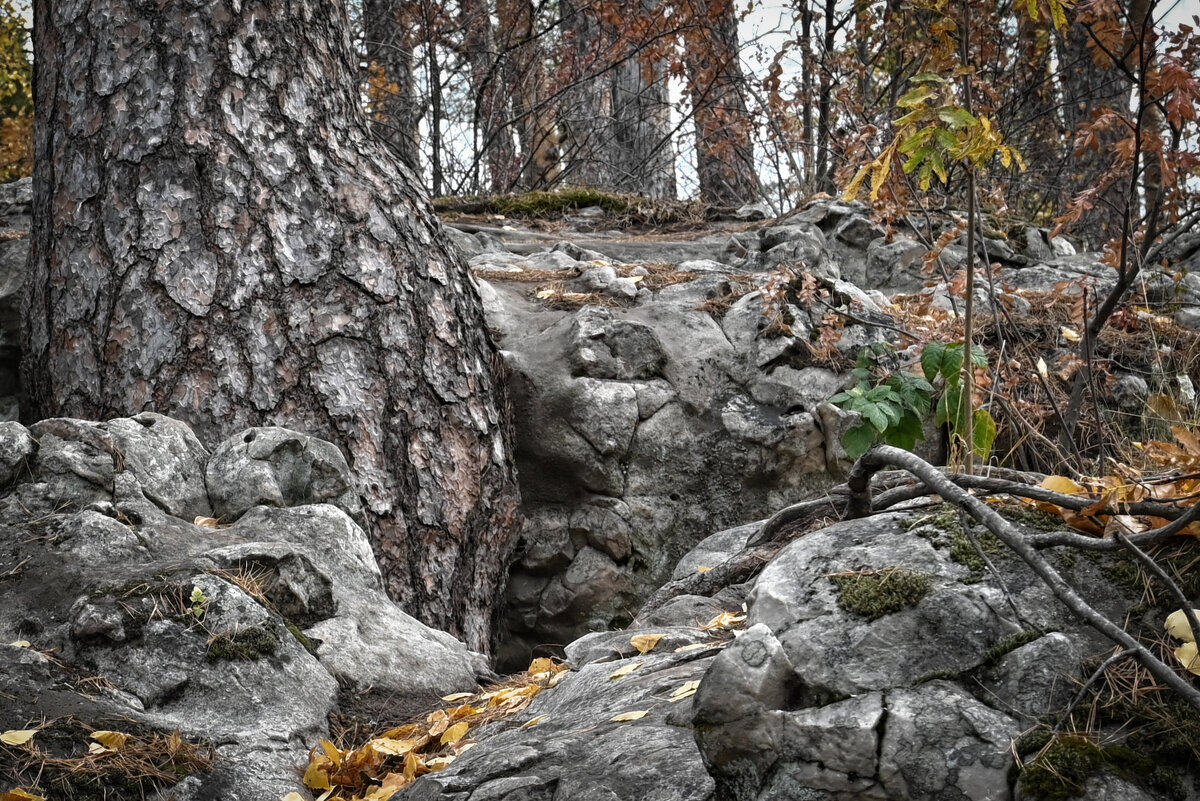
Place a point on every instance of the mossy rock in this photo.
(248, 644)
(877, 593)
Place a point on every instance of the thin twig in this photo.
(1154, 567)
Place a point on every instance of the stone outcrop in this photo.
(246, 635)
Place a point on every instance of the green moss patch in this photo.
(873, 594)
(252, 643)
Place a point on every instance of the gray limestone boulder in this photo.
(247, 637)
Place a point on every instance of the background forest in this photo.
(734, 103)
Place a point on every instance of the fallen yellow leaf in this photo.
(702, 569)
(456, 696)
(685, 690)
(438, 763)
(391, 747)
(625, 671)
(332, 752)
(1062, 484)
(1177, 626)
(696, 646)
(21, 795)
(626, 716)
(95, 749)
(1188, 657)
(533, 722)
(723, 621)
(205, 522)
(455, 733)
(292, 796)
(1070, 334)
(20, 644)
(111, 739)
(17, 736)
(645, 642)
(317, 775)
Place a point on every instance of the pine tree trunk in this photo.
(618, 116)
(395, 108)
(724, 150)
(219, 238)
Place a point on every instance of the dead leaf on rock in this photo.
(533, 722)
(206, 522)
(724, 620)
(456, 696)
(645, 643)
(626, 716)
(626, 670)
(21, 644)
(685, 690)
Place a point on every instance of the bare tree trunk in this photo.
(724, 150)
(1086, 85)
(394, 107)
(618, 118)
(493, 136)
(533, 114)
(825, 166)
(218, 237)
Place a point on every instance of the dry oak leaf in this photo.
(21, 795)
(112, 740)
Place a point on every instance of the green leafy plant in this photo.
(945, 360)
(200, 603)
(892, 410)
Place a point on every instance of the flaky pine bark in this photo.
(724, 150)
(219, 238)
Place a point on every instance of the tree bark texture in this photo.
(618, 113)
(724, 150)
(219, 238)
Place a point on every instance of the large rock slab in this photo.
(245, 636)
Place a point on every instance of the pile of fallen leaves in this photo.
(376, 770)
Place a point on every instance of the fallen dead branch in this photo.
(860, 505)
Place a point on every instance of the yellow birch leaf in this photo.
(529, 724)
(696, 646)
(456, 696)
(645, 642)
(21, 644)
(392, 784)
(455, 733)
(17, 736)
(391, 747)
(316, 777)
(855, 185)
(1177, 626)
(95, 749)
(702, 569)
(111, 739)
(413, 763)
(542, 294)
(439, 721)
(1188, 657)
(438, 763)
(543, 664)
(625, 671)
(627, 716)
(685, 690)
(292, 796)
(1069, 334)
(18, 794)
(332, 752)
(1062, 484)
